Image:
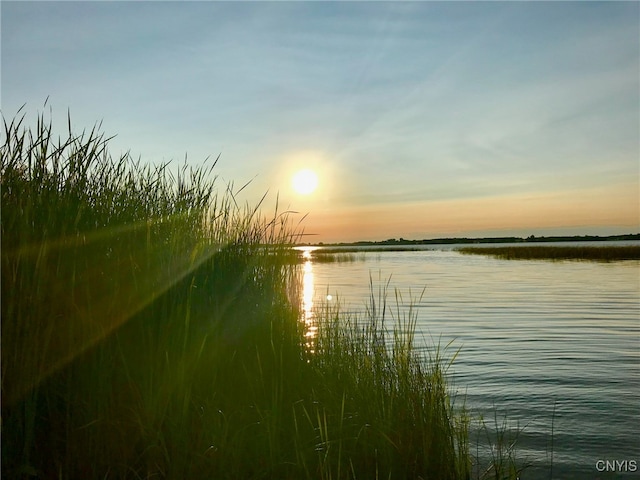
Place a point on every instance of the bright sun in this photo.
(305, 181)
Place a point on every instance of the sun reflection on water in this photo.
(308, 315)
(308, 291)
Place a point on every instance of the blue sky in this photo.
(422, 119)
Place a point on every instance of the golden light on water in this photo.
(308, 291)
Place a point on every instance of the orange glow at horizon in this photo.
(613, 206)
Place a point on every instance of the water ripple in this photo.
(532, 334)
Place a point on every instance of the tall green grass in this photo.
(121, 284)
(151, 328)
(387, 403)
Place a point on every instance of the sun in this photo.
(305, 181)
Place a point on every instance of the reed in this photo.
(132, 296)
(499, 447)
(320, 256)
(383, 408)
(368, 249)
(151, 328)
(297, 256)
(592, 253)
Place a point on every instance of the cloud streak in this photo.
(405, 101)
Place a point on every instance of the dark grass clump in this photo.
(600, 254)
(151, 328)
(127, 291)
(298, 256)
(385, 409)
(337, 257)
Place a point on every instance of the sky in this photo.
(421, 119)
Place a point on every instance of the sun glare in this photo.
(305, 181)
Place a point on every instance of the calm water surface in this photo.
(551, 345)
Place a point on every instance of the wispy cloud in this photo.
(407, 101)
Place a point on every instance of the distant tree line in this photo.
(529, 239)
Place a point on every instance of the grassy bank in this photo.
(151, 329)
(602, 254)
(328, 256)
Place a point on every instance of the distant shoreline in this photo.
(466, 240)
(540, 252)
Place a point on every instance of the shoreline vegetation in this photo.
(592, 253)
(402, 242)
(152, 328)
(600, 253)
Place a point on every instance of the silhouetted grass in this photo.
(397, 417)
(605, 254)
(297, 256)
(131, 296)
(151, 328)
(368, 249)
(337, 257)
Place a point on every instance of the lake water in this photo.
(554, 346)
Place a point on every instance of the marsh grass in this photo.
(398, 416)
(496, 445)
(320, 256)
(297, 256)
(603, 254)
(119, 283)
(151, 328)
(369, 249)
